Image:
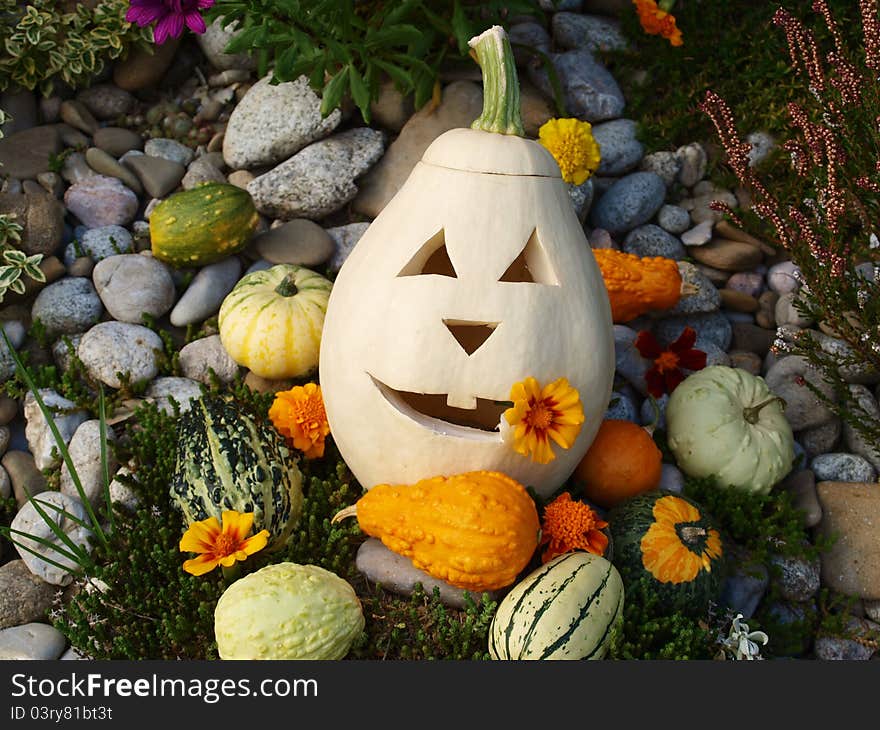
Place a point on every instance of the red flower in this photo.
(666, 372)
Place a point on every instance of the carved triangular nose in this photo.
(470, 335)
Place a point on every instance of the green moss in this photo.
(648, 632)
(763, 524)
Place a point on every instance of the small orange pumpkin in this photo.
(637, 285)
(476, 530)
(622, 461)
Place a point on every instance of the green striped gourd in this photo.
(229, 460)
(271, 322)
(566, 609)
(668, 544)
(202, 225)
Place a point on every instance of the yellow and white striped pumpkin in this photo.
(271, 322)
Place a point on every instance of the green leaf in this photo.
(15, 257)
(403, 79)
(334, 91)
(401, 35)
(8, 274)
(461, 28)
(17, 286)
(359, 92)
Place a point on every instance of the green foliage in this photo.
(763, 524)
(729, 47)
(348, 47)
(42, 43)
(420, 627)
(650, 632)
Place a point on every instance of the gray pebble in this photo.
(628, 203)
(671, 478)
(620, 150)
(110, 348)
(397, 574)
(67, 417)
(621, 408)
(745, 587)
(710, 327)
(28, 521)
(182, 390)
(842, 467)
(300, 242)
(673, 219)
(650, 240)
(131, 285)
(34, 641)
(200, 357)
(23, 596)
(206, 292)
(67, 306)
(169, 149)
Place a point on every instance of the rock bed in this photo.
(83, 174)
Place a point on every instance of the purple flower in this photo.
(169, 15)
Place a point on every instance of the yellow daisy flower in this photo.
(541, 414)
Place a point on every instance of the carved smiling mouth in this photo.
(432, 411)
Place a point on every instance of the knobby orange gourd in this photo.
(637, 285)
(475, 530)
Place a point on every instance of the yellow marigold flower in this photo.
(571, 143)
(658, 22)
(221, 546)
(299, 415)
(538, 415)
(568, 525)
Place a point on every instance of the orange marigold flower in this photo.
(568, 525)
(658, 22)
(299, 415)
(221, 546)
(540, 414)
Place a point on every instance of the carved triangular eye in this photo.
(431, 258)
(532, 265)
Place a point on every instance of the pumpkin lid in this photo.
(473, 150)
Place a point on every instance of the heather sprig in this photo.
(830, 231)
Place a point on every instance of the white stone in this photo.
(85, 452)
(271, 123)
(183, 390)
(32, 641)
(28, 521)
(131, 285)
(41, 440)
(206, 292)
(109, 348)
(200, 357)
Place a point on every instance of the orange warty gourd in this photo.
(622, 461)
(638, 285)
(476, 530)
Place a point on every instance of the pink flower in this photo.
(169, 15)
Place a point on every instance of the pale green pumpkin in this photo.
(725, 423)
(272, 321)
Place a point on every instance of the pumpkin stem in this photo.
(691, 534)
(287, 287)
(751, 413)
(343, 513)
(501, 104)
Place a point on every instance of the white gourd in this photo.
(475, 276)
(725, 422)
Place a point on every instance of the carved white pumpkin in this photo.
(475, 276)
